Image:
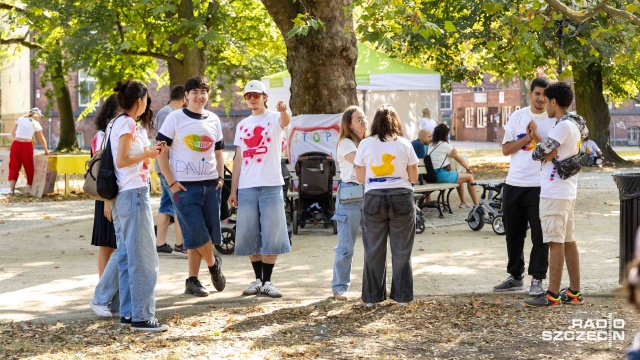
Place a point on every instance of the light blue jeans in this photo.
(137, 257)
(261, 228)
(106, 292)
(348, 217)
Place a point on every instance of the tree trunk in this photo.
(524, 92)
(68, 140)
(193, 63)
(322, 63)
(591, 104)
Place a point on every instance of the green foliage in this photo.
(511, 39)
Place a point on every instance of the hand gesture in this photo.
(233, 199)
(176, 186)
(550, 156)
(281, 106)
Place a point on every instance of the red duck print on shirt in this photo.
(255, 142)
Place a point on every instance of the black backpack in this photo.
(431, 175)
(106, 182)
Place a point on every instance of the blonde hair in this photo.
(345, 126)
(426, 112)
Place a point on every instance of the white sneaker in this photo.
(369, 305)
(253, 288)
(341, 296)
(536, 287)
(100, 310)
(270, 290)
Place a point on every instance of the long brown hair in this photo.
(345, 125)
(386, 122)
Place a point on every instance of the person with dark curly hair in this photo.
(440, 151)
(387, 165)
(104, 234)
(558, 197)
(136, 257)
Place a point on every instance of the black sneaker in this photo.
(149, 326)
(194, 287)
(125, 321)
(217, 278)
(165, 248)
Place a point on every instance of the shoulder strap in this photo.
(443, 160)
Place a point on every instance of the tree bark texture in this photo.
(322, 63)
(590, 103)
(68, 140)
(193, 61)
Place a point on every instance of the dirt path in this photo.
(47, 266)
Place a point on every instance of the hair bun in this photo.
(119, 85)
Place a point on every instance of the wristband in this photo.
(170, 186)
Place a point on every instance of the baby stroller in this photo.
(489, 210)
(315, 171)
(420, 220)
(228, 214)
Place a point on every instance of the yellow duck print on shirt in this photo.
(386, 168)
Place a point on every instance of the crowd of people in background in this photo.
(378, 168)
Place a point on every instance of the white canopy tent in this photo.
(380, 80)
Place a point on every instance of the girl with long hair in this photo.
(387, 165)
(348, 214)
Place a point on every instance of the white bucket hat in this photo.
(255, 86)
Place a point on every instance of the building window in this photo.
(481, 119)
(633, 136)
(445, 101)
(86, 86)
(478, 89)
(506, 113)
(468, 117)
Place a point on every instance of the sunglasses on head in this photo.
(254, 95)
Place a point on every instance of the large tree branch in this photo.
(151, 54)
(22, 41)
(282, 12)
(581, 16)
(212, 13)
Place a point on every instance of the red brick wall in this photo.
(462, 101)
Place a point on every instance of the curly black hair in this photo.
(440, 133)
(128, 93)
(561, 92)
(197, 82)
(107, 112)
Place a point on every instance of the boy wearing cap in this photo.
(21, 154)
(261, 226)
(193, 175)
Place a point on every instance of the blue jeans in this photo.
(106, 292)
(166, 205)
(348, 217)
(198, 211)
(261, 225)
(137, 256)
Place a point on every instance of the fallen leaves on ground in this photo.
(476, 326)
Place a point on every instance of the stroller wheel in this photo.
(228, 241)
(498, 225)
(476, 219)
(420, 227)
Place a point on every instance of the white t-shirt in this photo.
(440, 154)
(97, 142)
(27, 127)
(386, 162)
(551, 185)
(347, 169)
(523, 170)
(260, 141)
(589, 147)
(428, 124)
(193, 139)
(133, 176)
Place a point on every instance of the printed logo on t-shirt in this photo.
(530, 146)
(255, 140)
(384, 170)
(198, 143)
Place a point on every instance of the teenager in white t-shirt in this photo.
(257, 178)
(348, 215)
(21, 153)
(194, 174)
(132, 219)
(521, 193)
(387, 165)
(558, 196)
